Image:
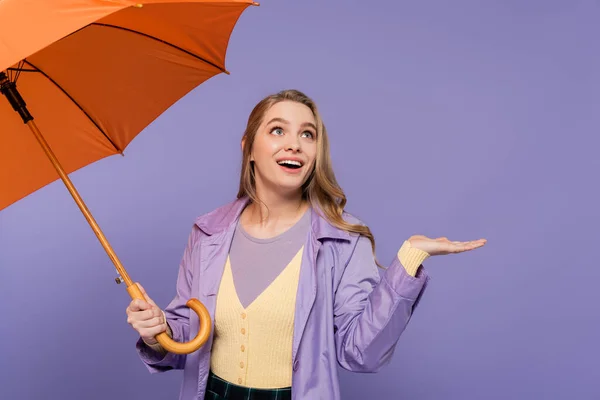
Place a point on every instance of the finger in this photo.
(153, 312)
(143, 316)
(139, 285)
(459, 247)
(152, 332)
(469, 241)
(477, 243)
(150, 323)
(137, 305)
(142, 305)
(148, 299)
(463, 247)
(454, 247)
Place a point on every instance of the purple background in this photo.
(470, 119)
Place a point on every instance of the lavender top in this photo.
(255, 263)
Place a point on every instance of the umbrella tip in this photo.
(255, 4)
(226, 72)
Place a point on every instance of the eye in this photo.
(277, 131)
(308, 134)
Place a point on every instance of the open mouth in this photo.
(291, 164)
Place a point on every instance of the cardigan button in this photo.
(296, 365)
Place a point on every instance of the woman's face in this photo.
(284, 148)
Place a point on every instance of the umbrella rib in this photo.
(22, 70)
(76, 103)
(161, 41)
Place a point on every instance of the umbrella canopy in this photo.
(87, 76)
(95, 73)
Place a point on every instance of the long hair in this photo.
(321, 187)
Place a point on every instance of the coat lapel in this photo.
(219, 227)
(321, 230)
(213, 252)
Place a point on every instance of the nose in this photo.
(293, 144)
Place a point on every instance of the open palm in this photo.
(442, 246)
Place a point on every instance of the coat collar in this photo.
(221, 219)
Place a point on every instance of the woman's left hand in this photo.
(442, 246)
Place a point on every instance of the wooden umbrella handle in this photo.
(171, 345)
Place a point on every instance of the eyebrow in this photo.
(283, 121)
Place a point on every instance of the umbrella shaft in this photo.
(86, 212)
(9, 89)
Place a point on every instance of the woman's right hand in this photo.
(146, 318)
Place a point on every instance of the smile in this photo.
(292, 164)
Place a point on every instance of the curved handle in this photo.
(171, 345)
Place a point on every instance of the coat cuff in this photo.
(411, 258)
(404, 284)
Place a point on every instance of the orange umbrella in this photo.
(94, 74)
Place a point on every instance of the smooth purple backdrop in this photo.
(461, 119)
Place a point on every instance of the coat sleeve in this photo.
(371, 310)
(177, 314)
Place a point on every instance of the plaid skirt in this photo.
(219, 389)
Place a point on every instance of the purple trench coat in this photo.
(346, 314)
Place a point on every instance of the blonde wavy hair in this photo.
(321, 188)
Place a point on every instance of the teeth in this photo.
(289, 162)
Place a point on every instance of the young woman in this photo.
(289, 278)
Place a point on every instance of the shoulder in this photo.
(356, 244)
(342, 240)
(220, 218)
(352, 219)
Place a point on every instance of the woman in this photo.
(289, 278)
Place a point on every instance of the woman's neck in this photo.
(272, 214)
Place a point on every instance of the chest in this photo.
(274, 302)
(318, 274)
